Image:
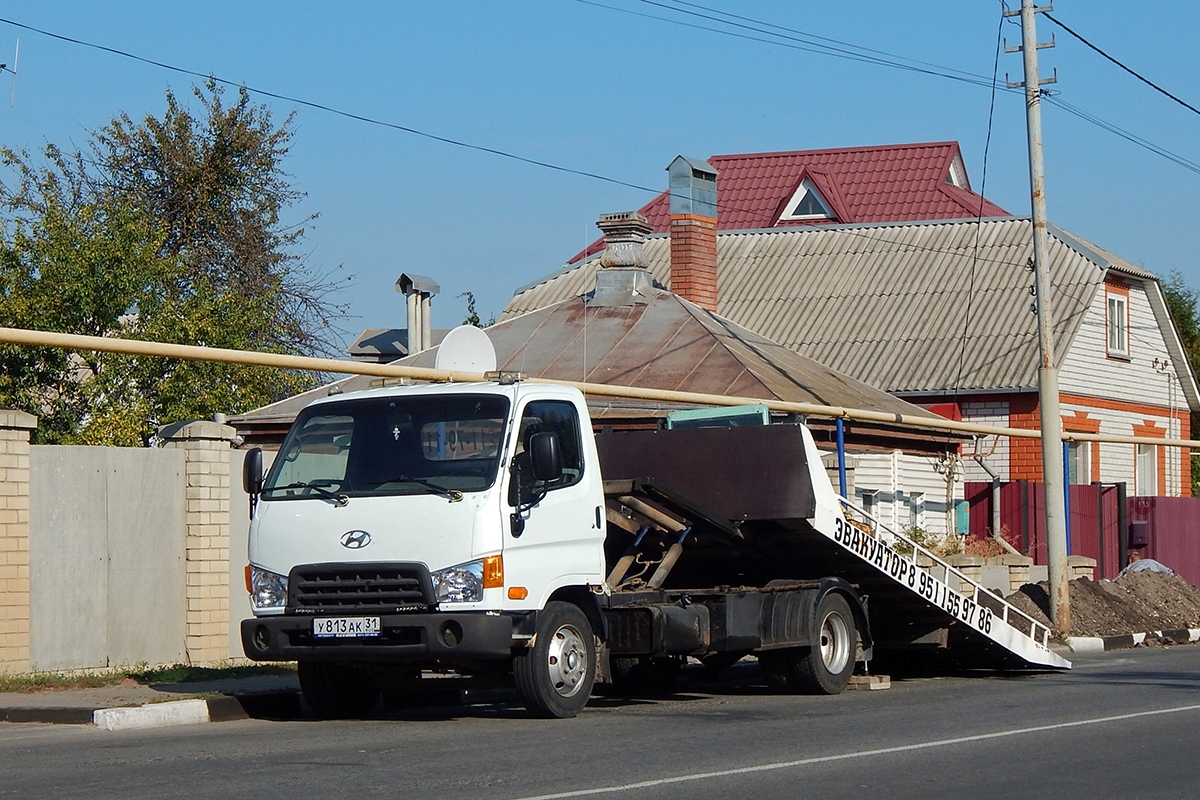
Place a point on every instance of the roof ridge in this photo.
(858, 149)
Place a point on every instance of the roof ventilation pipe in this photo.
(419, 290)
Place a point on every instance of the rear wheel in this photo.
(826, 666)
(555, 676)
(337, 691)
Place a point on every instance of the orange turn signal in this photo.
(249, 588)
(517, 593)
(493, 572)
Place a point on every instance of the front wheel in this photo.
(826, 666)
(555, 676)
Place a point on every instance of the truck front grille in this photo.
(385, 588)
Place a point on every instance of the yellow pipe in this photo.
(136, 347)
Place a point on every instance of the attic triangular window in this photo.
(807, 203)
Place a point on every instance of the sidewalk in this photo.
(132, 704)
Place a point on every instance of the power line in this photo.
(1055, 99)
(1144, 80)
(813, 47)
(347, 114)
(782, 40)
(892, 59)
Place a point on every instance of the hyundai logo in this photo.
(355, 539)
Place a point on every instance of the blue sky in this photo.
(602, 90)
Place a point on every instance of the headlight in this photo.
(267, 590)
(459, 584)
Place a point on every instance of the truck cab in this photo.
(404, 528)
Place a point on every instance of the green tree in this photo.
(472, 317)
(1181, 300)
(168, 230)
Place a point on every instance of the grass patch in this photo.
(141, 673)
(58, 681)
(185, 673)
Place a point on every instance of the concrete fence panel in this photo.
(107, 558)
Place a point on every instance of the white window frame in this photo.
(1116, 317)
(1146, 474)
(916, 510)
(956, 175)
(805, 188)
(870, 502)
(1079, 463)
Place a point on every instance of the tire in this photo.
(337, 691)
(555, 676)
(645, 675)
(826, 666)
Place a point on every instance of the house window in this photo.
(807, 203)
(870, 502)
(1118, 324)
(1078, 462)
(1146, 479)
(916, 510)
(956, 175)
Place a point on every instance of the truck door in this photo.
(553, 536)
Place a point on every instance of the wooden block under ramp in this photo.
(869, 683)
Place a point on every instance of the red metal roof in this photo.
(885, 183)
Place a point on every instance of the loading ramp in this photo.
(766, 515)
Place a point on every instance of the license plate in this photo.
(345, 627)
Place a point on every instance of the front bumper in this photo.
(403, 638)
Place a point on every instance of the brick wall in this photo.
(15, 428)
(206, 472)
(694, 259)
(1025, 455)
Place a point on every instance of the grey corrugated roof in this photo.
(909, 307)
(664, 343)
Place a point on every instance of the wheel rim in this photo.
(567, 661)
(835, 643)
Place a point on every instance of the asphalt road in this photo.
(1119, 725)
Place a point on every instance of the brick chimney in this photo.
(693, 191)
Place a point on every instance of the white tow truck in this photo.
(482, 529)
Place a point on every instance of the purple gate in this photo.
(1095, 527)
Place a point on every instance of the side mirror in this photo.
(545, 456)
(252, 471)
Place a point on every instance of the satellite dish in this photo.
(466, 349)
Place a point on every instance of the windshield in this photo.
(391, 445)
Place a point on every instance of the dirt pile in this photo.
(1138, 602)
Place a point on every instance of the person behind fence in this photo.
(1138, 563)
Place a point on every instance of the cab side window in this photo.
(541, 416)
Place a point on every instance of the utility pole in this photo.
(1051, 416)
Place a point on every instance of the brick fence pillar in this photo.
(15, 429)
(206, 473)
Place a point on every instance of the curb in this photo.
(1103, 644)
(268, 705)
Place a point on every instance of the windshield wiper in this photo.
(317, 486)
(454, 495)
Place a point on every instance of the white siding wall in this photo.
(897, 479)
(1086, 370)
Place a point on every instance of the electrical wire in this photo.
(322, 107)
(813, 47)
(1141, 78)
(962, 352)
(1056, 100)
(568, 170)
(783, 40)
